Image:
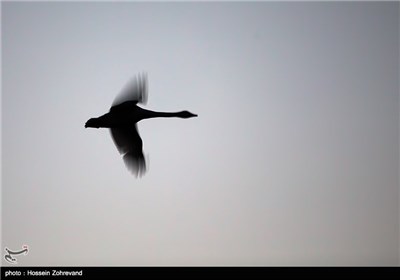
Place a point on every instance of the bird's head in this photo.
(93, 122)
(186, 115)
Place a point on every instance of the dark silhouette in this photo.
(122, 118)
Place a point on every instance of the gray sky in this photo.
(293, 159)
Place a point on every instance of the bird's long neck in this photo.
(147, 114)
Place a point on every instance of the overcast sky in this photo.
(293, 160)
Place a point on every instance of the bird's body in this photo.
(122, 119)
(128, 113)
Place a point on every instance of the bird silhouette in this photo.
(122, 121)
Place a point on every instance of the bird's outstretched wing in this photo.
(135, 90)
(130, 145)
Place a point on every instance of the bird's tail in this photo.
(93, 122)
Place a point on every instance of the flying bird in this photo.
(122, 120)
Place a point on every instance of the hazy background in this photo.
(293, 159)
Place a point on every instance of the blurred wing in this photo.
(130, 145)
(135, 90)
